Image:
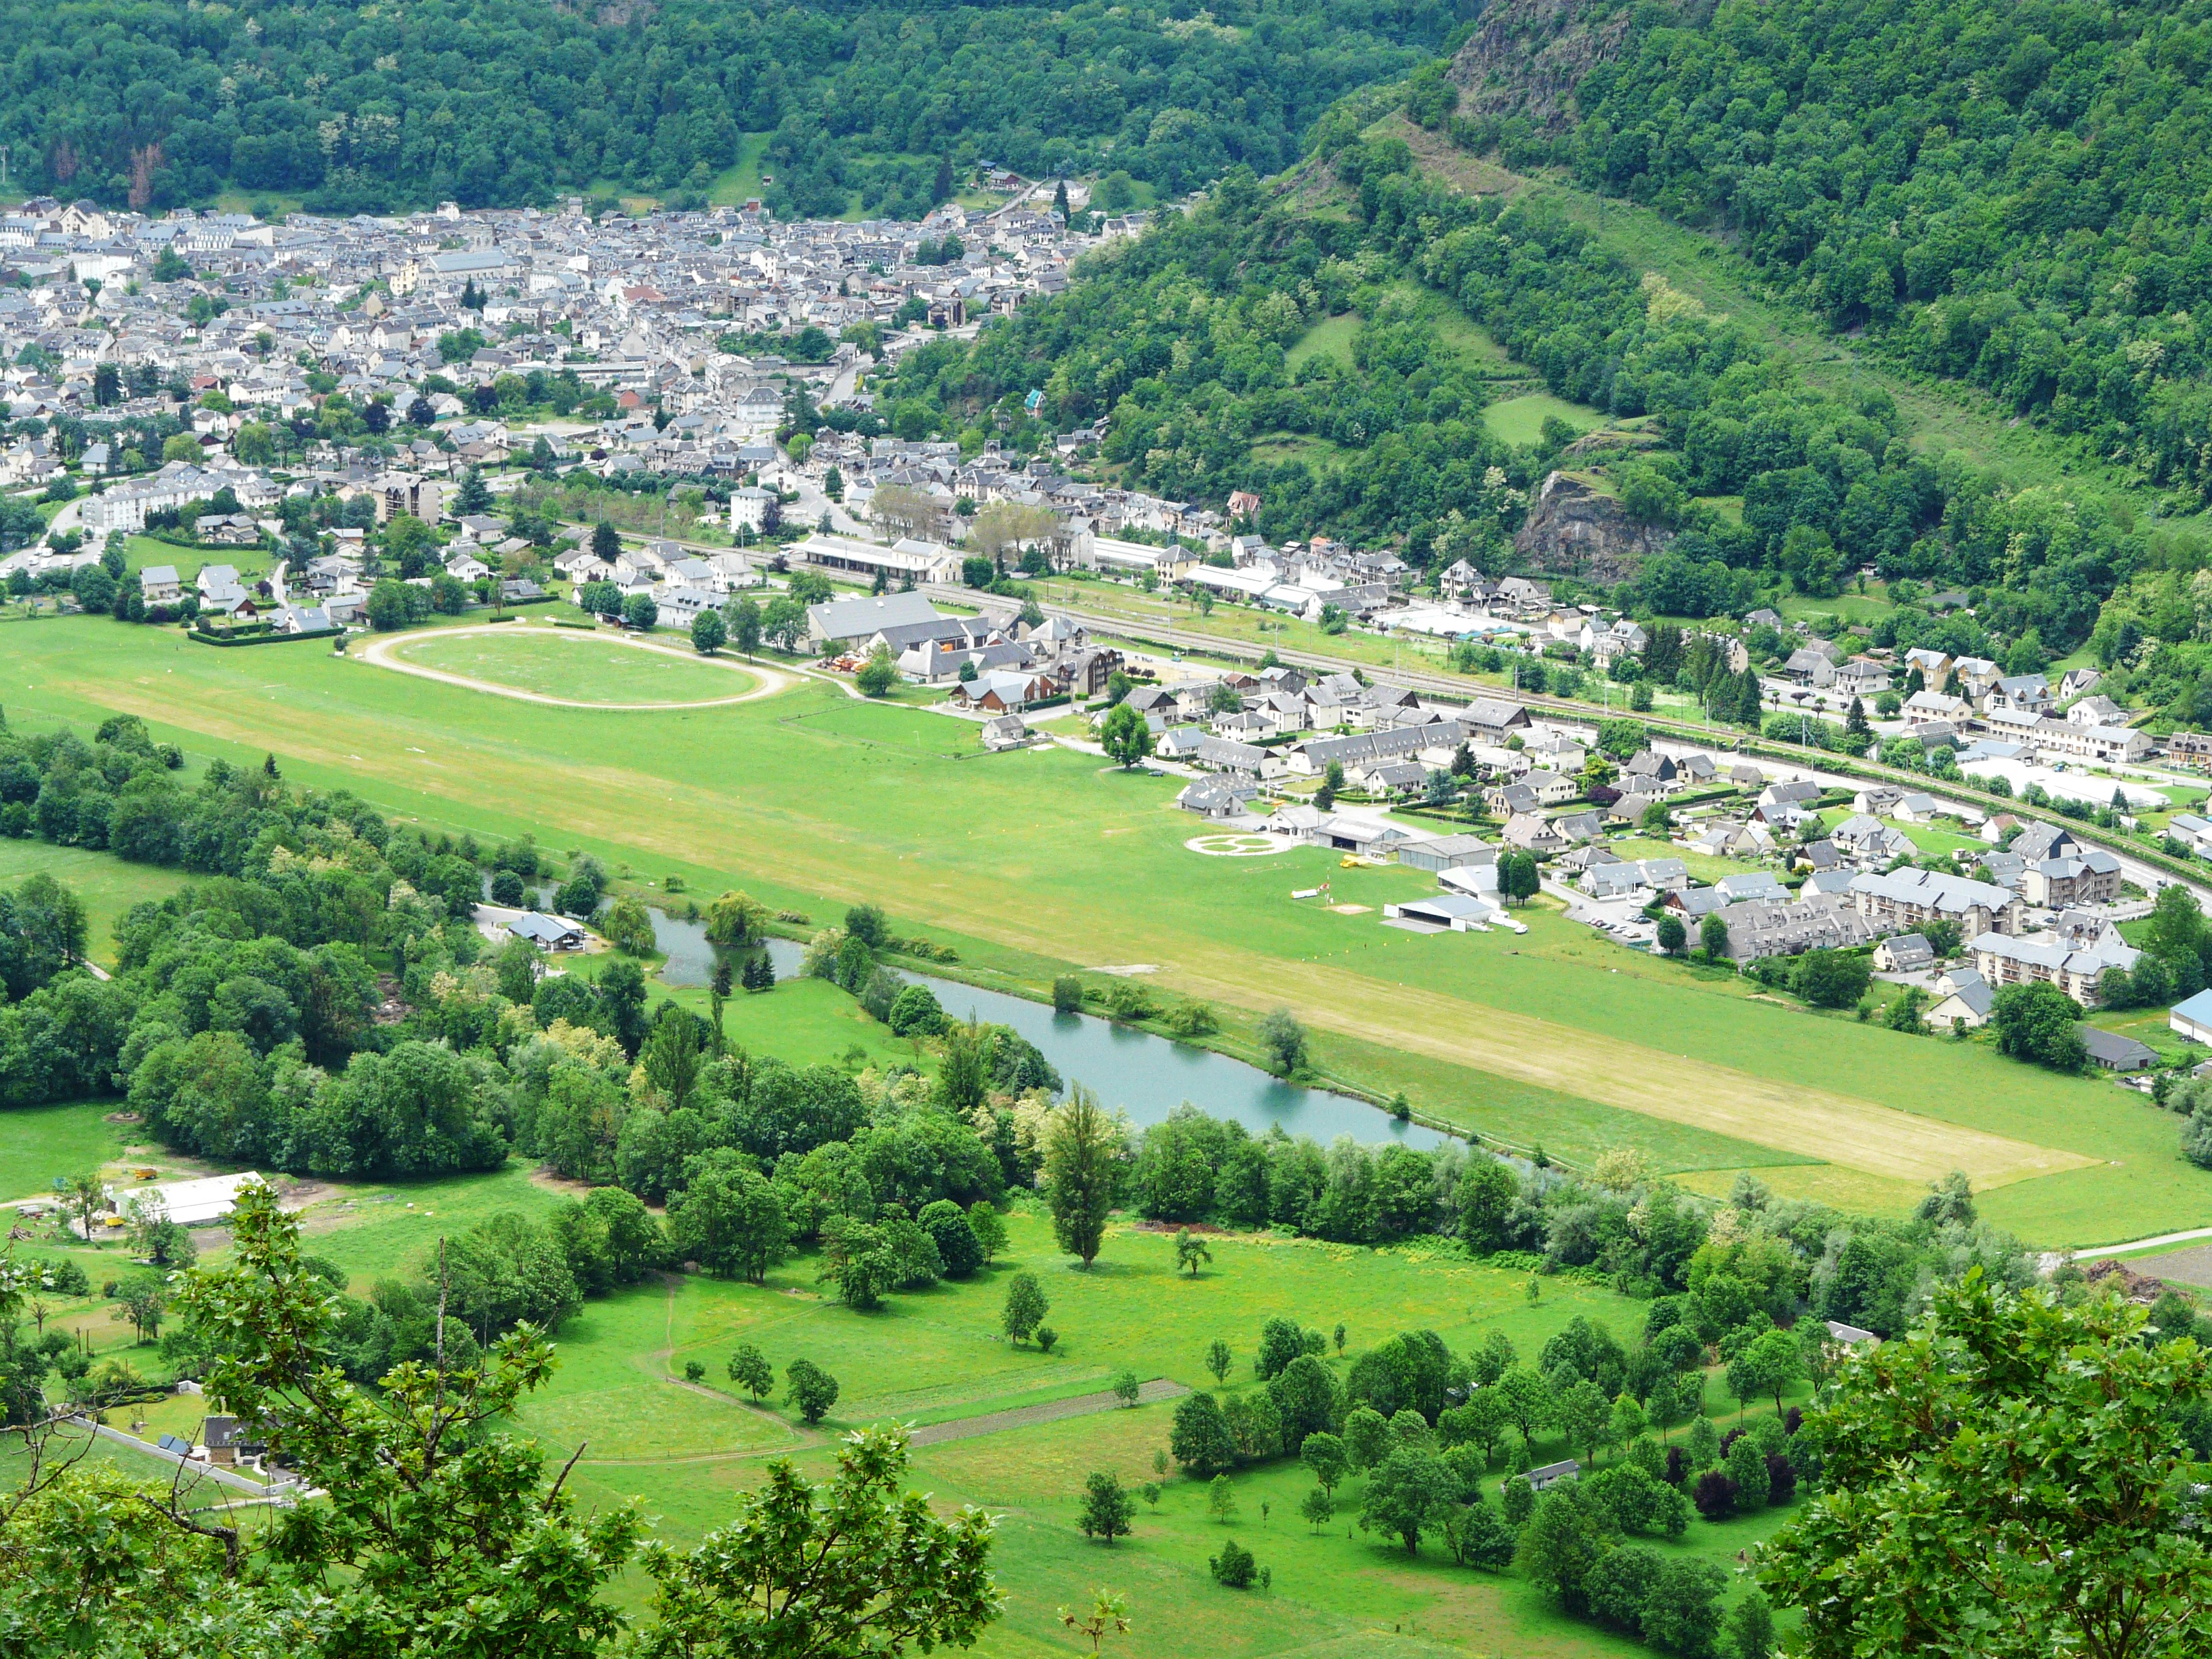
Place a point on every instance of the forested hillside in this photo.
(503, 102)
(1181, 341)
(2011, 195)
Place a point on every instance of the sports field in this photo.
(1036, 861)
(568, 667)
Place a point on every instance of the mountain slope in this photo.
(2007, 196)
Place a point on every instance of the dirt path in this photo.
(384, 654)
(1023, 1416)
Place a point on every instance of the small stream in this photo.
(1147, 1076)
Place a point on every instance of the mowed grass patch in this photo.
(1046, 859)
(942, 1353)
(576, 667)
(1338, 1590)
(1332, 337)
(1520, 420)
(107, 886)
(805, 1022)
(41, 1145)
(390, 1230)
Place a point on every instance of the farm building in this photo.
(2115, 1052)
(188, 1203)
(2191, 1017)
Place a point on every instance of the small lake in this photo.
(1145, 1075)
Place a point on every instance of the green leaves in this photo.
(2007, 1480)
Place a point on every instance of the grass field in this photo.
(1520, 420)
(47, 1144)
(576, 667)
(813, 800)
(107, 886)
(1330, 337)
(685, 1451)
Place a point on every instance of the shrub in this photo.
(1234, 1568)
(812, 1389)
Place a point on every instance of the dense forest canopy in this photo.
(509, 102)
(2013, 195)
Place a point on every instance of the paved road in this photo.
(1023, 1416)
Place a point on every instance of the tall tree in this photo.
(1082, 1170)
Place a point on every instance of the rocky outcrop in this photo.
(1573, 530)
(1528, 55)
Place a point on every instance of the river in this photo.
(1145, 1075)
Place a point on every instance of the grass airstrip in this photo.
(1035, 862)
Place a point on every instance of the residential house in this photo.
(2191, 748)
(1861, 678)
(1752, 884)
(1005, 690)
(1805, 667)
(2030, 694)
(1758, 929)
(546, 933)
(1492, 720)
(1964, 998)
(2091, 878)
(1528, 833)
(1219, 798)
(2041, 841)
(1870, 841)
(1904, 953)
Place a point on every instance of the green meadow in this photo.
(1520, 420)
(107, 885)
(685, 1451)
(1039, 862)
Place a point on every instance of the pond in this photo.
(1147, 1076)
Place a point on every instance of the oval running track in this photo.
(384, 654)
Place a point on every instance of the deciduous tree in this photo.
(1082, 1171)
(2008, 1478)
